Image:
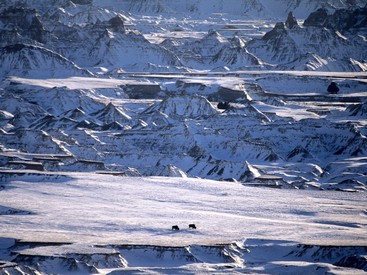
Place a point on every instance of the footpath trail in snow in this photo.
(93, 208)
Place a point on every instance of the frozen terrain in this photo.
(83, 222)
(290, 135)
(121, 119)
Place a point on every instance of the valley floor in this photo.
(46, 215)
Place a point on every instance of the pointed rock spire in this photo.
(36, 29)
(291, 21)
(117, 24)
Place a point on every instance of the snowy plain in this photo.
(109, 209)
(84, 213)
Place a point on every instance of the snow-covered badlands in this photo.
(241, 123)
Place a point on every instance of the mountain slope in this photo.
(292, 48)
(35, 61)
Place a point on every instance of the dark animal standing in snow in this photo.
(192, 226)
(333, 88)
(175, 227)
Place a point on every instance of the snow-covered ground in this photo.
(110, 209)
(88, 209)
(121, 119)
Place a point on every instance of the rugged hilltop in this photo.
(90, 35)
(137, 92)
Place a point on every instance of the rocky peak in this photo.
(278, 29)
(214, 35)
(117, 24)
(112, 113)
(279, 26)
(36, 29)
(77, 114)
(185, 106)
(18, 16)
(346, 20)
(25, 23)
(238, 42)
(316, 19)
(342, 20)
(291, 21)
(24, 59)
(36, 24)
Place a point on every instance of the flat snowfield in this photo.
(105, 209)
